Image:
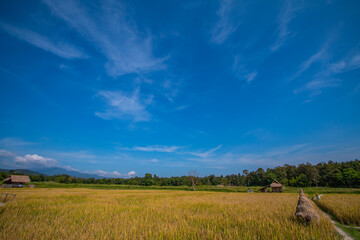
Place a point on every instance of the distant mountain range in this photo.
(50, 172)
(21, 171)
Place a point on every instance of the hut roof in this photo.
(276, 184)
(7, 179)
(18, 179)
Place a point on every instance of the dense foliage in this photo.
(331, 174)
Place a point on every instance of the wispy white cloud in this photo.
(154, 160)
(59, 48)
(206, 154)
(287, 13)
(182, 107)
(69, 168)
(241, 72)
(9, 142)
(77, 155)
(170, 89)
(316, 85)
(125, 106)
(4, 153)
(344, 65)
(326, 76)
(289, 154)
(259, 133)
(154, 148)
(281, 151)
(250, 77)
(271, 158)
(113, 33)
(226, 23)
(320, 56)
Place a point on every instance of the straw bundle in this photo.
(305, 209)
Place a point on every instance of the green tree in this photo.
(148, 180)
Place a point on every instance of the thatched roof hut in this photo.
(17, 179)
(276, 186)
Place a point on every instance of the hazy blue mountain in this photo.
(59, 171)
(21, 172)
(50, 172)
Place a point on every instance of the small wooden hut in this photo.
(17, 180)
(276, 186)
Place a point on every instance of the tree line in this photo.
(331, 174)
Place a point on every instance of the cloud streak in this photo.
(270, 158)
(320, 56)
(10, 142)
(61, 49)
(155, 148)
(225, 24)
(125, 106)
(326, 77)
(242, 73)
(282, 32)
(108, 28)
(207, 153)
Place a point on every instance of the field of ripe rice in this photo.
(148, 214)
(345, 207)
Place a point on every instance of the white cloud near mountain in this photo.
(10, 159)
(114, 174)
(34, 161)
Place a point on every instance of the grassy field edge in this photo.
(308, 190)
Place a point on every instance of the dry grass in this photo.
(141, 214)
(345, 207)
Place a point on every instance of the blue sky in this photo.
(125, 88)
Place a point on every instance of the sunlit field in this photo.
(344, 207)
(141, 214)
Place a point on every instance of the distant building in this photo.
(16, 181)
(275, 187)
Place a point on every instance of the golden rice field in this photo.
(149, 214)
(345, 207)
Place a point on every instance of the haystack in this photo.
(305, 210)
